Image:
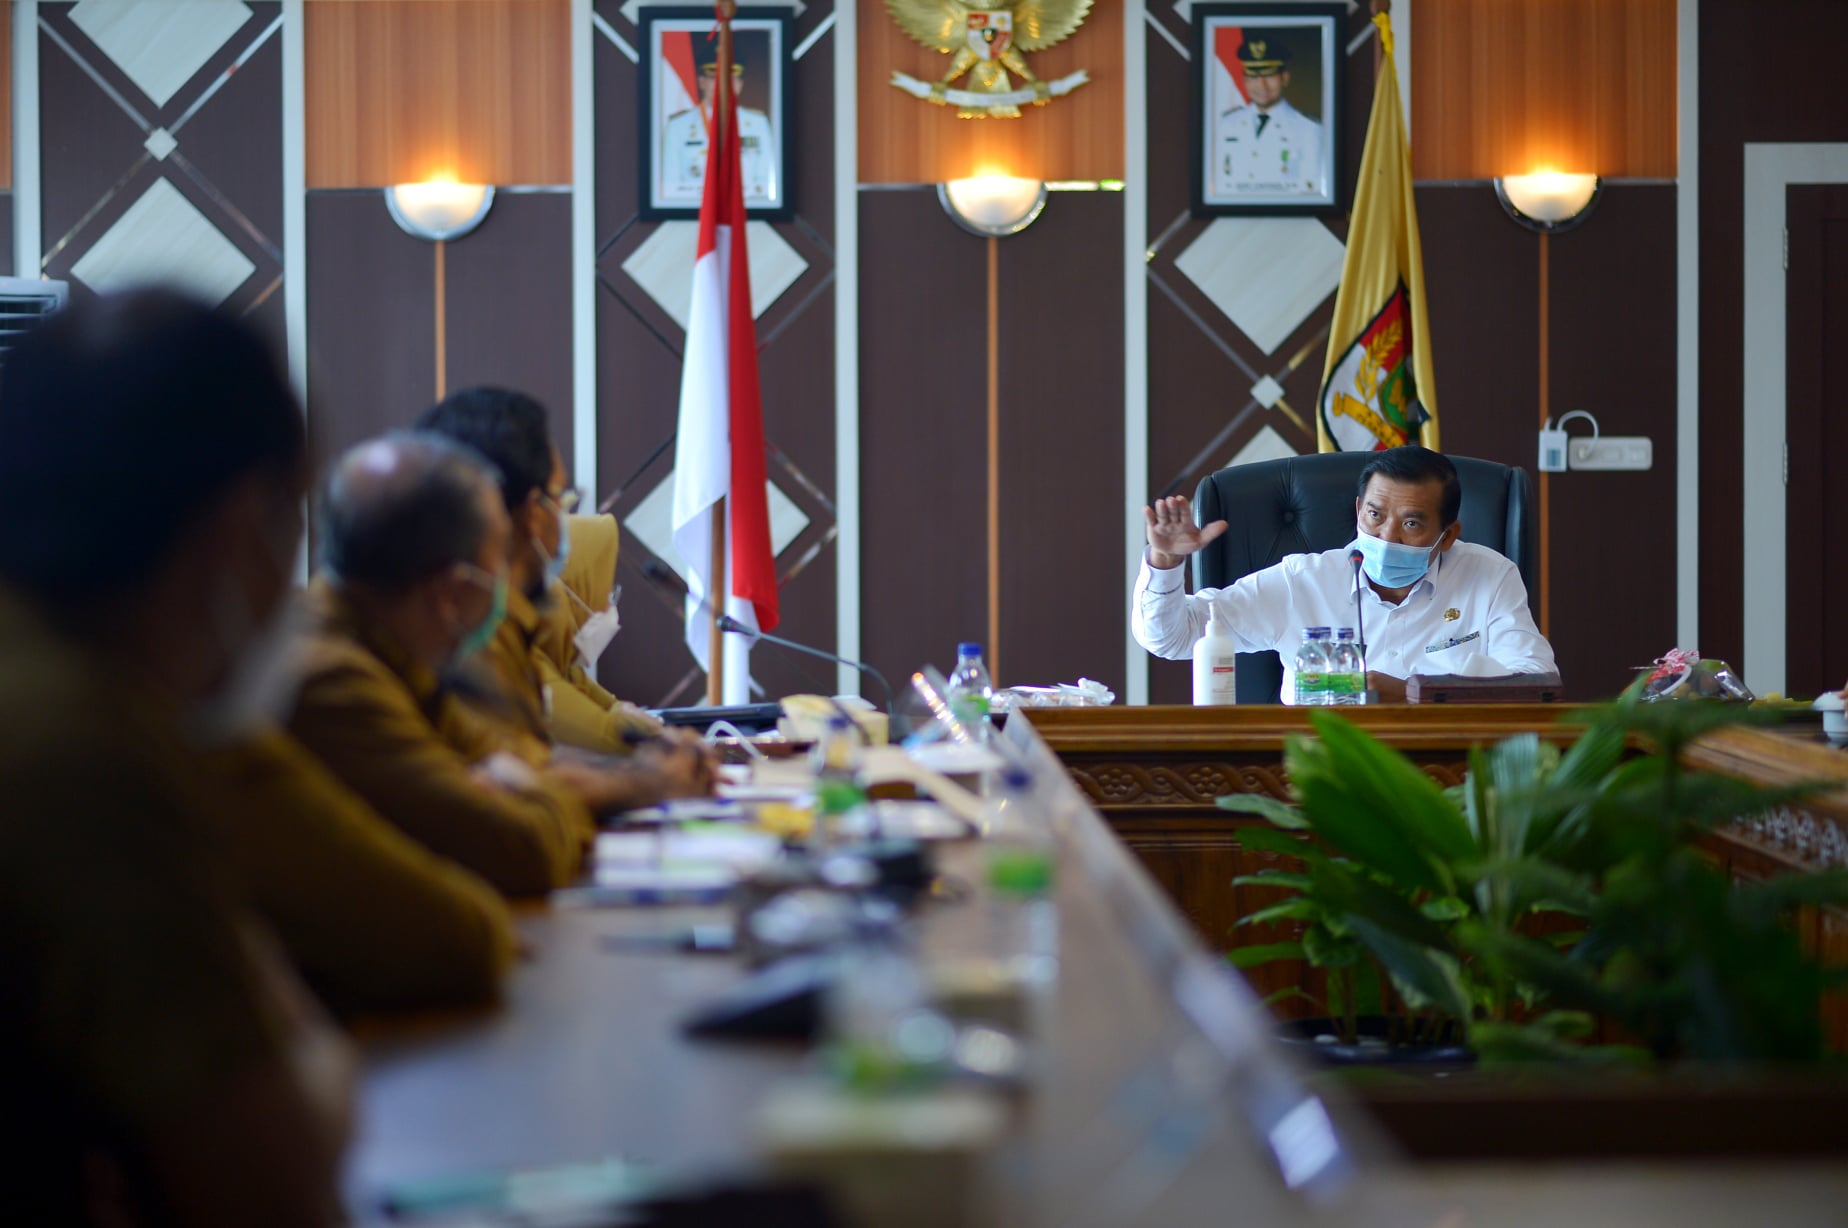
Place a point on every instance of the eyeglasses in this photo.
(565, 501)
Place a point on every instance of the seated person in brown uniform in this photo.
(373, 919)
(509, 429)
(575, 629)
(161, 1063)
(414, 542)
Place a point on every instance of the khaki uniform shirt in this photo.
(134, 983)
(512, 663)
(581, 712)
(372, 918)
(389, 732)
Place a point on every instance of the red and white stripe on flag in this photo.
(719, 451)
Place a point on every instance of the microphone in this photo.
(1360, 626)
(659, 574)
(732, 626)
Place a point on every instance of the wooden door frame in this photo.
(1770, 169)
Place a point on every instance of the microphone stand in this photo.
(661, 578)
(1368, 695)
(732, 626)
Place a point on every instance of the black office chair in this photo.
(1306, 504)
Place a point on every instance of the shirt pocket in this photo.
(1436, 651)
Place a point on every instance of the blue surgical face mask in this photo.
(1390, 564)
(555, 563)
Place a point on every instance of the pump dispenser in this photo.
(1215, 664)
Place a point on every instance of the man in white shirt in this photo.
(1266, 145)
(1432, 604)
(683, 148)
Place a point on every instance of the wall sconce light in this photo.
(992, 206)
(438, 209)
(1548, 201)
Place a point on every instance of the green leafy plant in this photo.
(1693, 965)
(1399, 866)
(1429, 905)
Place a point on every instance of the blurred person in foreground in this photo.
(414, 541)
(548, 692)
(162, 1062)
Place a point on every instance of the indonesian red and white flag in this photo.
(719, 452)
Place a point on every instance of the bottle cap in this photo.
(968, 648)
(1214, 628)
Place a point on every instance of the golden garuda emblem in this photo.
(989, 43)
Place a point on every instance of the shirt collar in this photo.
(335, 614)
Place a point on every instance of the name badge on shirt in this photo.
(1453, 642)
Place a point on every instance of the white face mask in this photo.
(598, 630)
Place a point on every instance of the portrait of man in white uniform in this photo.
(1266, 144)
(684, 142)
(680, 87)
(1268, 100)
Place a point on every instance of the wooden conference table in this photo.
(1163, 1099)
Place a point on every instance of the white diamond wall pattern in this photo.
(160, 44)
(1267, 444)
(663, 266)
(163, 238)
(652, 521)
(1266, 274)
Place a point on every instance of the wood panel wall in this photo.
(1796, 93)
(905, 140)
(1504, 87)
(404, 90)
(372, 313)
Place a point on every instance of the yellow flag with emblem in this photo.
(1377, 388)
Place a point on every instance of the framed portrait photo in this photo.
(1267, 108)
(678, 69)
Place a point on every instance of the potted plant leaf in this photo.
(1695, 966)
(1397, 864)
(1449, 893)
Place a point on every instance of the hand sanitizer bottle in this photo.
(1215, 664)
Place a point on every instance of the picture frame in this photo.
(1267, 118)
(675, 70)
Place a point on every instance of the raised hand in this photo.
(1173, 535)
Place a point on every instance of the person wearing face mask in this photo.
(550, 693)
(162, 1062)
(414, 540)
(1433, 604)
(575, 629)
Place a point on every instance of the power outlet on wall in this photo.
(1611, 452)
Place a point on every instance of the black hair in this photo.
(508, 428)
(124, 419)
(397, 510)
(1416, 465)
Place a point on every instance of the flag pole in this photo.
(721, 580)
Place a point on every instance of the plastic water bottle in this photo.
(1312, 668)
(885, 1036)
(972, 692)
(1023, 923)
(1347, 682)
(1215, 666)
(835, 760)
